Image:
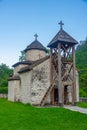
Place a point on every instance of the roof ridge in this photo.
(30, 67)
(35, 45)
(63, 37)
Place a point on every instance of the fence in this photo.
(83, 99)
(3, 95)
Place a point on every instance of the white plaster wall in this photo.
(13, 90)
(17, 90)
(40, 81)
(11, 94)
(77, 86)
(25, 89)
(77, 89)
(35, 54)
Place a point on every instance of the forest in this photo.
(81, 65)
(5, 72)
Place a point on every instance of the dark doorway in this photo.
(65, 95)
(55, 96)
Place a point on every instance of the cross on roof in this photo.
(61, 24)
(35, 36)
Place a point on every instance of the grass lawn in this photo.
(83, 104)
(16, 116)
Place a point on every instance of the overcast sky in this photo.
(21, 19)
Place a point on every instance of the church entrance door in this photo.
(65, 95)
(55, 96)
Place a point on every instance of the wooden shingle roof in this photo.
(62, 37)
(14, 77)
(22, 63)
(35, 45)
(33, 64)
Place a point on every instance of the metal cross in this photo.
(61, 24)
(35, 36)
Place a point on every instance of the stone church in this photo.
(46, 79)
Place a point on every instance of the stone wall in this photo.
(35, 54)
(34, 84)
(40, 82)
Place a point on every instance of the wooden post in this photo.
(51, 75)
(51, 68)
(60, 89)
(74, 77)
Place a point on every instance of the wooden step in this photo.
(44, 97)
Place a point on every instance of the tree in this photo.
(22, 57)
(81, 63)
(48, 51)
(5, 71)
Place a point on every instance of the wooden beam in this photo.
(51, 67)
(60, 86)
(74, 76)
(52, 96)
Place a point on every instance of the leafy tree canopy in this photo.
(22, 56)
(81, 63)
(5, 71)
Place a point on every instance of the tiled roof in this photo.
(22, 63)
(14, 77)
(35, 63)
(35, 45)
(62, 37)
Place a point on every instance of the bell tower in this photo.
(62, 57)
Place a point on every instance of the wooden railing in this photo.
(83, 99)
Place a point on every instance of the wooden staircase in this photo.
(51, 86)
(44, 97)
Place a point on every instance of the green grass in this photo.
(16, 116)
(83, 104)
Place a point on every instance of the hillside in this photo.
(81, 63)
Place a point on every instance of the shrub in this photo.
(4, 90)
